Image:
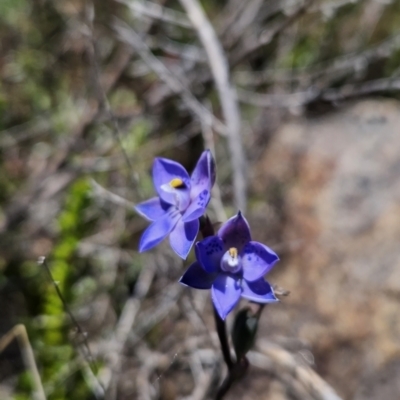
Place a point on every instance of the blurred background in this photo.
(305, 129)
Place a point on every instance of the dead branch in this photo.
(123, 329)
(284, 366)
(19, 332)
(157, 11)
(129, 36)
(227, 96)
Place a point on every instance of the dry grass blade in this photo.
(19, 332)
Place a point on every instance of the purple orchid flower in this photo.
(181, 201)
(232, 266)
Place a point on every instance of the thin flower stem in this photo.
(223, 339)
(236, 373)
(207, 229)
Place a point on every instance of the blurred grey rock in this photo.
(339, 178)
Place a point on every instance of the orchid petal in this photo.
(235, 232)
(203, 175)
(158, 230)
(259, 291)
(209, 253)
(152, 209)
(257, 260)
(183, 236)
(197, 278)
(225, 294)
(197, 207)
(164, 171)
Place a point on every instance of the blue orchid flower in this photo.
(232, 266)
(181, 201)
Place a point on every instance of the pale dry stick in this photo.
(216, 199)
(123, 329)
(288, 100)
(40, 183)
(69, 369)
(358, 60)
(227, 96)
(100, 191)
(186, 52)
(146, 154)
(284, 361)
(331, 69)
(129, 36)
(273, 75)
(103, 100)
(27, 130)
(132, 337)
(329, 9)
(19, 332)
(169, 298)
(199, 323)
(203, 379)
(199, 375)
(368, 21)
(157, 11)
(230, 11)
(90, 378)
(245, 18)
(202, 386)
(193, 315)
(150, 361)
(367, 88)
(255, 41)
(291, 384)
(238, 16)
(331, 95)
(226, 21)
(233, 10)
(62, 374)
(88, 357)
(228, 16)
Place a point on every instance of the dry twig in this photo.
(123, 329)
(157, 11)
(227, 96)
(129, 36)
(19, 332)
(284, 366)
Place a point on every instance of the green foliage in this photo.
(49, 335)
(11, 11)
(244, 332)
(302, 55)
(393, 63)
(136, 136)
(25, 385)
(46, 75)
(122, 97)
(57, 347)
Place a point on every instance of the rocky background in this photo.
(339, 178)
(90, 93)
